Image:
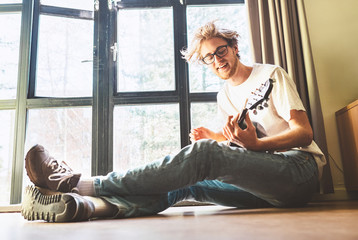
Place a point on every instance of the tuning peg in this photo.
(266, 104)
(260, 107)
(255, 112)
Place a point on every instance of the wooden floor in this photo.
(322, 220)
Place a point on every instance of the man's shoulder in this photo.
(265, 67)
(265, 71)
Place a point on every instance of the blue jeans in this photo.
(209, 171)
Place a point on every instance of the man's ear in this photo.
(236, 49)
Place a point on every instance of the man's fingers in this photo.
(247, 119)
(229, 118)
(236, 118)
(228, 133)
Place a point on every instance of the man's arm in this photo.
(299, 135)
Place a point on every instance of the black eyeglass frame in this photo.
(215, 53)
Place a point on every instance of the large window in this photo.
(102, 84)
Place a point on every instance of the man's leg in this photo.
(43, 204)
(216, 192)
(209, 191)
(284, 179)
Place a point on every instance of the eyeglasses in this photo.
(221, 51)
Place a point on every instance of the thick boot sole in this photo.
(62, 207)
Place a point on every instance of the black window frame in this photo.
(105, 96)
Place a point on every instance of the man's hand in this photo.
(200, 133)
(299, 134)
(246, 138)
(205, 133)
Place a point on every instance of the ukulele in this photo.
(257, 100)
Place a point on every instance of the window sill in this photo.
(10, 208)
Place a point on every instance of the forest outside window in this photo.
(145, 50)
(9, 50)
(64, 57)
(9, 56)
(143, 133)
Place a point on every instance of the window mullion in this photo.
(34, 47)
(20, 118)
(102, 128)
(181, 71)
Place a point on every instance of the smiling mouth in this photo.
(222, 66)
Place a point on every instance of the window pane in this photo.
(9, 54)
(64, 65)
(77, 4)
(6, 153)
(205, 115)
(144, 133)
(201, 77)
(65, 133)
(146, 50)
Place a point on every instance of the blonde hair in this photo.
(206, 32)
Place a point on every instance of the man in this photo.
(280, 169)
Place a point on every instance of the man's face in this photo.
(224, 67)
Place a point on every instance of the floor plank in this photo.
(322, 220)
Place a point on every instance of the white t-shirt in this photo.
(273, 119)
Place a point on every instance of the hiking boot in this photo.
(58, 207)
(45, 171)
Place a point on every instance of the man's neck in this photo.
(242, 74)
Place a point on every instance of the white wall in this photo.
(333, 30)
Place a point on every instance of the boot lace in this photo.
(61, 172)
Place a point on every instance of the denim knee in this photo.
(208, 146)
(204, 144)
